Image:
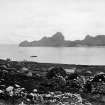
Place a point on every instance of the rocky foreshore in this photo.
(33, 83)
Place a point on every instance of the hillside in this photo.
(58, 40)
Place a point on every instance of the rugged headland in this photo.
(58, 40)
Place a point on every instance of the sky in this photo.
(32, 19)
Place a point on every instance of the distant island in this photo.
(58, 40)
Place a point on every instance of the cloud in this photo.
(32, 19)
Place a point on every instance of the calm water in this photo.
(69, 55)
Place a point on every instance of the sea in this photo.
(63, 55)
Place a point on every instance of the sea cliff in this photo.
(58, 40)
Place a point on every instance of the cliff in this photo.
(57, 40)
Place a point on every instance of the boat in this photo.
(33, 56)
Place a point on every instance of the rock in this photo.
(57, 40)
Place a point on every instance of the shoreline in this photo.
(39, 67)
(55, 64)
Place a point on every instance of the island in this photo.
(58, 40)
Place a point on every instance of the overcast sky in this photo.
(32, 19)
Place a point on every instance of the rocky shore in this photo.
(33, 83)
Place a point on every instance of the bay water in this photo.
(65, 55)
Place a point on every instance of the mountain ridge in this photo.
(58, 40)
